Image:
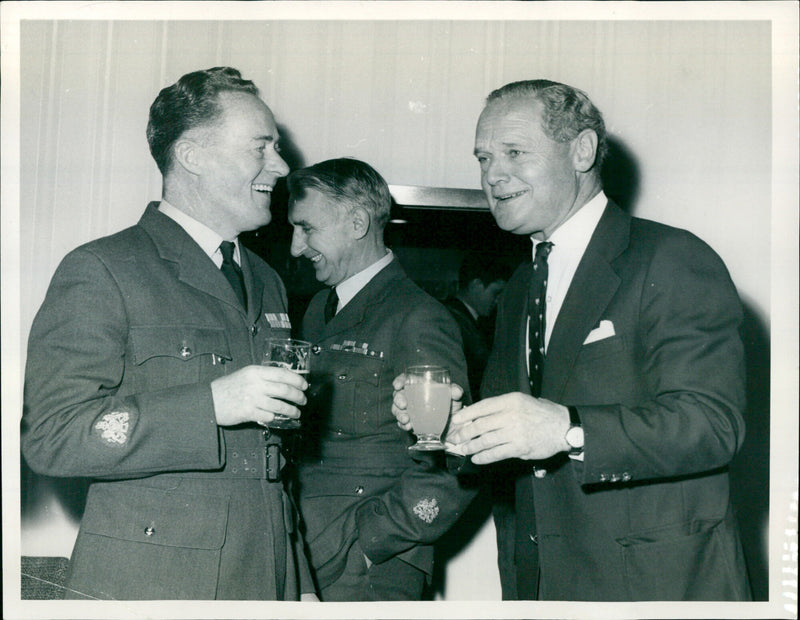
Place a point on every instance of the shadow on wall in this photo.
(750, 469)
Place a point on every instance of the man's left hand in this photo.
(513, 425)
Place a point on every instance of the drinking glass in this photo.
(294, 355)
(427, 390)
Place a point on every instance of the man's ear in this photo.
(188, 154)
(361, 222)
(475, 286)
(584, 150)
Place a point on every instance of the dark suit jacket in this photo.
(359, 483)
(133, 329)
(647, 515)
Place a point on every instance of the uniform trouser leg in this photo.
(392, 580)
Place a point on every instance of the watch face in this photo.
(574, 437)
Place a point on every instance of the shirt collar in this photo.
(469, 308)
(574, 234)
(349, 288)
(207, 239)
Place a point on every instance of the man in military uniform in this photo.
(143, 371)
(370, 507)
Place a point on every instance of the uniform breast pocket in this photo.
(170, 355)
(355, 382)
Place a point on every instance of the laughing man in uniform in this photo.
(143, 371)
(370, 507)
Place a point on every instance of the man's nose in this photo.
(276, 165)
(495, 171)
(298, 244)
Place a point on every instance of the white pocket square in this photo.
(602, 331)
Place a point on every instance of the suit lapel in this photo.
(354, 313)
(193, 266)
(253, 286)
(592, 288)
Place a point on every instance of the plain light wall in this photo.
(690, 102)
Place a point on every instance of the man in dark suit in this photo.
(143, 371)
(616, 375)
(371, 508)
(481, 279)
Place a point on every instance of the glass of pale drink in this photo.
(294, 355)
(427, 390)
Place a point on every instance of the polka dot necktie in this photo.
(536, 316)
(232, 271)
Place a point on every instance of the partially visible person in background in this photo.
(371, 508)
(143, 371)
(481, 279)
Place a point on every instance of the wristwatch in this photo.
(574, 436)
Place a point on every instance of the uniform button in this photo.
(253, 330)
(342, 377)
(185, 351)
(539, 472)
(359, 490)
(316, 349)
(626, 477)
(614, 478)
(534, 538)
(266, 434)
(149, 530)
(603, 477)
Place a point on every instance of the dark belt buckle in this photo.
(273, 465)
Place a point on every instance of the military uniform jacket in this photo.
(359, 483)
(133, 329)
(646, 346)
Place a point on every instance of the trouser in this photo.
(392, 580)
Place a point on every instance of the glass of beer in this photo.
(427, 390)
(294, 355)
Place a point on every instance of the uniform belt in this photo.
(265, 463)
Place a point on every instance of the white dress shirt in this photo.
(569, 244)
(206, 238)
(349, 288)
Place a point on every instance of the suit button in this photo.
(316, 349)
(149, 530)
(359, 490)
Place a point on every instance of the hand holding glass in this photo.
(291, 354)
(427, 390)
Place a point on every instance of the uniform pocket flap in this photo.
(177, 341)
(669, 533)
(155, 516)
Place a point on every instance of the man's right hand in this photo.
(257, 394)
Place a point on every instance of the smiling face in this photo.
(529, 179)
(324, 233)
(241, 163)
